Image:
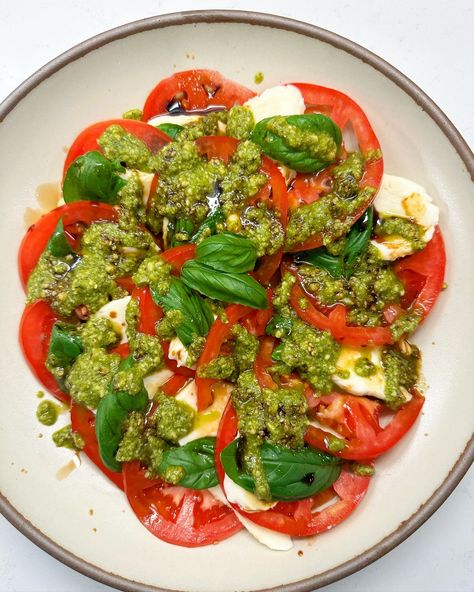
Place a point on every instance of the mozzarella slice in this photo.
(115, 311)
(177, 119)
(372, 386)
(206, 422)
(243, 498)
(277, 100)
(403, 198)
(288, 174)
(178, 352)
(276, 541)
(153, 381)
(146, 180)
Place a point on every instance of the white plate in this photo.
(112, 72)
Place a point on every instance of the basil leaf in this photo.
(92, 176)
(291, 474)
(279, 326)
(58, 244)
(180, 233)
(322, 259)
(65, 344)
(197, 459)
(239, 288)
(276, 353)
(328, 135)
(356, 244)
(197, 314)
(112, 411)
(170, 129)
(209, 226)
(227, 252)
(358, 240)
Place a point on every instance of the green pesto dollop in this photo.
(210, 125)
(240, 123)
(245, 348)
(148, 357)
(173, 419)
(405, 325)
(89, 378)
(131, 202)
(401, 370)
(220, 367)
(404, 227)
(331, 216)
(66, 438)
(136, 114)
(312, 353)
(154, 272)
(98, 331)
(47, 413)
(118, 144)
(262, 226)
(364, 367)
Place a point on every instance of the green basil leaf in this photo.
(197, 459)
(58, 244)
(300, 159)
(112, 411)
(197, 314)
(322, 259)
(358, 240)
(239, 288)
(180, 232)
(276, 353)
(92, 176)
(209, 226)
(291, 474)
(279, 326)
(65, 344)
(170, 129)
(227, 252)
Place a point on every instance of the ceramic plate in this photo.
(83, 520)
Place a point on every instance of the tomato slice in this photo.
(86, 141)
(83, 422)
(185, 517)
(35, 332)
(218, 333)
(257, 321)
(173, 385)
(195, 89)
(335, 322)
(37, 236)
(126, 283)
(177, 256)
(150, 313)
(423, 274)
(299, 518)
(344, 111)
(366, 439)
(264, 361)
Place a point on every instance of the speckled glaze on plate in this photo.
(114, 71)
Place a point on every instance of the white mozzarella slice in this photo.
(146, 180)
(243, 498)
(372, 386)
(178, 352)
(206, 422)
(277, 100)
(153, 381)
(177, 119)
(61, 201)
(276, 541)
(115, 311)
(288, 174)
(403, 198)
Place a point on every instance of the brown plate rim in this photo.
(407, 527)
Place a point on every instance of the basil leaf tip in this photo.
(197, 460)
(227, 252)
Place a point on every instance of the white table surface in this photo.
(432, 43)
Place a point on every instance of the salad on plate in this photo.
(224, 298)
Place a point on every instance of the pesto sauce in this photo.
(66, 438)
(118, 144)
(407, 229)
(47, 413)
(401, 372)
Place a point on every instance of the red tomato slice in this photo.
(264, 361)
(177, 256)
(174, 385)
(335, 322)
(218, 333)
(37, 236)
(86, 141)
(257, 321)
(424, 272)
(344, 111)
(366, 439)
(150, 313)
(126, 283)
(82, 422)
(195, 89)
(35, 332)
(297, 518)
(185, 517)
